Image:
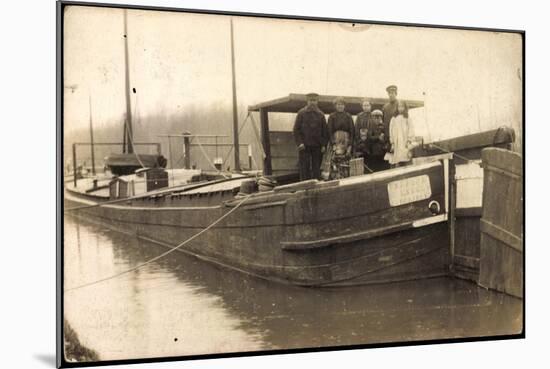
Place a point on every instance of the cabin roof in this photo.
(294, 102)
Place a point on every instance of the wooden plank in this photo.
(500, 234)
(483, 139)
(469, 212)
(501, 247)
(293, 187)
(339, 240)
(503, 194)
(284, 172)
(503, 172)
(431, 158)
(504, 272)
(468, 146)
(356, 167)
(467, 261)
(506, 160)
(467, 236)
(466, 273)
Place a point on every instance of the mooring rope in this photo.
(161, 255)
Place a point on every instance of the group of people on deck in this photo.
(381, 137)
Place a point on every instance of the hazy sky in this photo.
(471, 80)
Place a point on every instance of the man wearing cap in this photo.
(310, 135)
(390, 108)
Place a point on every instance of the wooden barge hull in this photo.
(373, 228)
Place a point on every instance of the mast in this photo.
(234, 89)
(91, 135)
(128, 122)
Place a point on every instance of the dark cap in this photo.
(339, 100)
(312, 95)
(391, 88)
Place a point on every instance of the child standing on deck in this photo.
(400, 136)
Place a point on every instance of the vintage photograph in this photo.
(237, 184)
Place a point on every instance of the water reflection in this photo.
(182, 306)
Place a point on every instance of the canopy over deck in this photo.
(294, 102)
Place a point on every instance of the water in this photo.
(182, 306)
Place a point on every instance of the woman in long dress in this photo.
(401, 133)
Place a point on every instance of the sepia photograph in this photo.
(238, 184)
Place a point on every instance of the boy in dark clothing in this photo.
(360, 146)
(377, 143)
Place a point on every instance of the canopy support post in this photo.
(264, 123)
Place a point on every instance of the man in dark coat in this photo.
(390, 108)
(310, 134)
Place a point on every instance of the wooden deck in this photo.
(176, 178)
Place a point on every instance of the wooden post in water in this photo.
(234, 89)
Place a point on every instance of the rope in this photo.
(207, 158)
(254, 161)
(163, 254)
(131, 134)
(133, 147)
(239, 133)
(257, 135)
